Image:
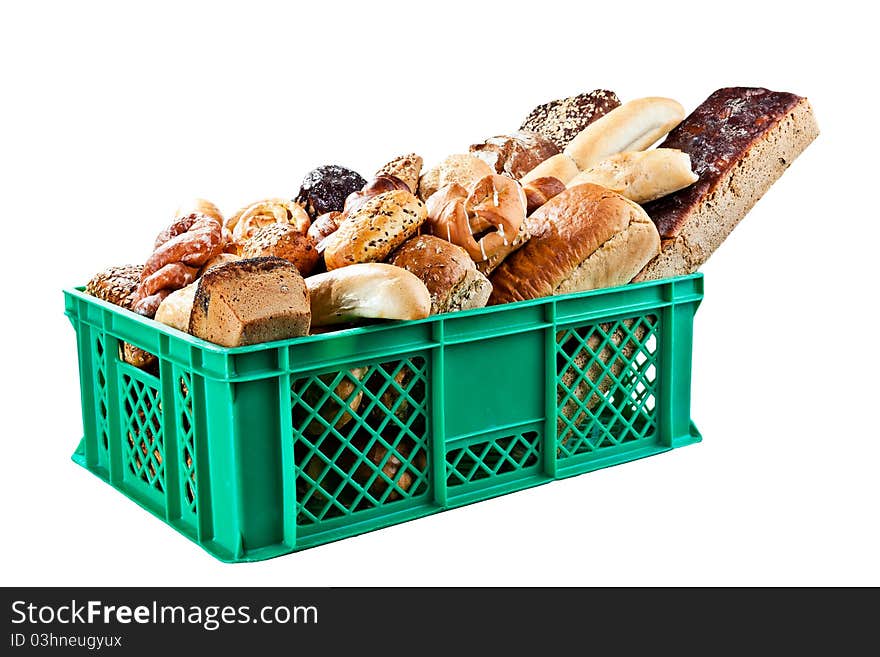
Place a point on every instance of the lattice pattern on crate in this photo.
(606, 384)
(490, 458)
(186, 434)
(99, 367)
(360, 438)
(142, 413)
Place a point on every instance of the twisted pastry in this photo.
(180, 250)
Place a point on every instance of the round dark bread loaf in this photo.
(325, 189)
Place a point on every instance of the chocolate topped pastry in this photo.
(325, 189)
(560, 120)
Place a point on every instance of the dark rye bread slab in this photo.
(740, 141)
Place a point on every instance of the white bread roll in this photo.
(371, 290)
(641, 176)
(559, 166)
(633, 126)
(176, 308)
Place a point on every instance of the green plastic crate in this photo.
(254, 452)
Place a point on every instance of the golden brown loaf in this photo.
(375, 229)
(584, 238)
(250, 301)
(447, 271)
(176, 308)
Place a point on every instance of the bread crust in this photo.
(565, 233)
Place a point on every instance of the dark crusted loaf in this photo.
(740, 141)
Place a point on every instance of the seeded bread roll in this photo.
(516, 154)
(585, 238)
(740, 141)
(374, 229)
(283, 241)
(116, 285)
(560, 120)
(447, 271)
(250, 301)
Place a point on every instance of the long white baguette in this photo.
(641, 176)
(633, 126)
(367, 290)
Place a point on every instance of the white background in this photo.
(114, 113)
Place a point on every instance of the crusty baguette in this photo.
(584, 238)
(641, 176)
(367, 290)
(740, 141)
(631, 127)
(374, 229)
(559, 166)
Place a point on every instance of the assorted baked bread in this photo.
(575, 199)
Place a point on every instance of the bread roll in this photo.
(447, 271)
(641, 176)
(367, 290)
(176, 308)
(541, 190)
(199, 206)
(374, 229)
(462, 169)
(631, 127)
(218, 260)
(560, 166)
(283, 241)
(250, 301)
(587, 237)
(515, 154)
(407, 168)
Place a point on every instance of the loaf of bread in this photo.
(250, 301)
(367, 291)
(447, 271)
(375, 229)
(585, 238)
(641, 176)
(740, 141)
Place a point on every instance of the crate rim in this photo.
(386, 325)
